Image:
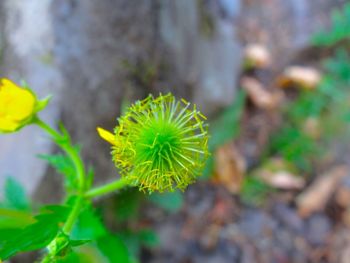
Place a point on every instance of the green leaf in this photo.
(36, 235)
(113, 249)
(77, 243)
(88, 226)
(64, 166)
(13, 218)
(170, 201)
(15, 196)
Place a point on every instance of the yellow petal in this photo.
(7, 125)
(16, 103)
(106, 135)
(8, 84)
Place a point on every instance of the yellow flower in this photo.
(18, 106)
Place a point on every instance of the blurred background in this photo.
(273, 78)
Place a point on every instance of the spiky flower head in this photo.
(160, 143)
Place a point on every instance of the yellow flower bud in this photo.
(18, 106)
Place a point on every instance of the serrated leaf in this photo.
(15, 196)
(171, 201)
(64, 166)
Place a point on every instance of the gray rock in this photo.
(208, 61)
(288, 217)
(318, 229)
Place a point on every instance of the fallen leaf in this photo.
(256, 56)
(229, 168)
(300, 76)
(259, 95)
(280, 174)
(315, 197)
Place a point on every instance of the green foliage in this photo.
(33, 236)
(113, 248)
(89, 226)
(328, 104)
(339, 31)
(170, 201)
(15, 196)
(64, 166)
(254, 191)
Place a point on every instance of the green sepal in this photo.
(42, 104)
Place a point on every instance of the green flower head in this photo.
(160, 143)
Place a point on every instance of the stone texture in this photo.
(204, 48)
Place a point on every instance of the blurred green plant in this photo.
(326, 107)
(339, 30)
(328, 104)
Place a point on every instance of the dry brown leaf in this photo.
(257, 56)
(299, 76)
(284, 180)
(230, 168)
(259, 95)
(279, 174)
(316, 197)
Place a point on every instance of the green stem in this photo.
(69, 149)
(107, 188)
(63, 141)
(73, 215)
